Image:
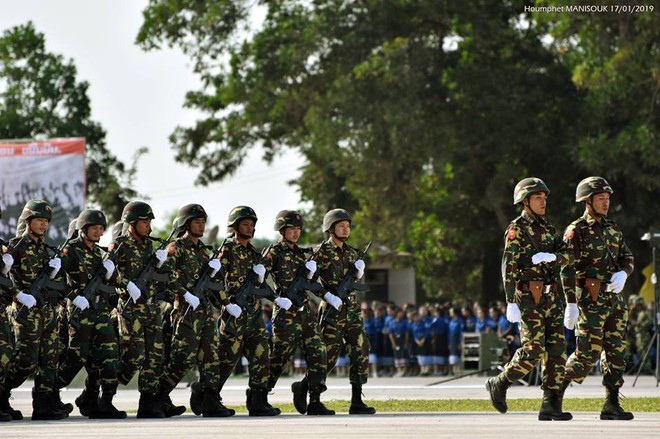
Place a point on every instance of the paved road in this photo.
(343, 426)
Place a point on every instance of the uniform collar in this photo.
(530, 219)
(591, 220)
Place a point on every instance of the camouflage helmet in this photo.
(118, 229)
(287, 218)
(239, 213)
(334, 216)
(36, 209)
(189, 212)
(91, 217)
(136, 210)
(591, 186)
(528, 186)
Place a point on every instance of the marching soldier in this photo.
(296, 326)
(35, 318)
(530, 269)
(6, 344)
(194, 337)
(92, 337)
(242, 331)
(334, 258)
(593, 281)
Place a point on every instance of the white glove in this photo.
(359, 266)
(109, 268)
(81, 302)
(161, 255)
(543, 257)
(260, 271)
(8, 260)
(332, 300)
(26, 299)
(311, 266)
(617, 282)
(283, 302)
(134, 291)
(234, 310)
(55, 264)
(215, 266)
(571, 315)
(512, 313)
(192, 300)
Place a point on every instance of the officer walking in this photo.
(194, 337)
(92, 337)
(297, 326)
(593, 281)
(334, 259)
(530, 271)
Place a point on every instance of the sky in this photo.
(138, 96)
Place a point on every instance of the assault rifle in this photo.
(249, 289)
(42, 283)
(205, 282)
(295, 292)
(94, 288)
(347, 285)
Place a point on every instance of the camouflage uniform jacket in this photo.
(80, 265)
(589, 255)
(187, 260)
(237, 261)
(6, 287)
(518, 251)
(30, 257)
(131, 259)
(283, 263)
(333, 262)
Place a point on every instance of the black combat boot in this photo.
(316, 407)
(5, 417)
(169, 408)
(106, 410)
(300, 389)
(497, 386)
(88, 402)
(551, 407)
(149, 407)
(259, 404)
(59, 405)
(612, 409)
(358, 407)
(212, 407)
(16, 415)
(43, 409)
(196, 398)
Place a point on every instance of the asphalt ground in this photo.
(383, 425)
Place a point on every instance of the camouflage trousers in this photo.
(194, 340)
(92, 344)
(543, 339)
(601, 331)
(300, 329)
(6, 342)
(140, 331)
(35, 349)
(350, 331)
(247, 336)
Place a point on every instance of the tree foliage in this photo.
(39, 94)
(418, 116)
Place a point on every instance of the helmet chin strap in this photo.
(593, 211)
(528, 207)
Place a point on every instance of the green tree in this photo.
(39, 94)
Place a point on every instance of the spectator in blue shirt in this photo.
(398, 331)
(455, 333)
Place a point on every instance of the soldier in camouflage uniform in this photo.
(35, 323)
(530, 271)
(140, 319)
(600, 262)
(92, 337)
(300, 327)
(6, 338)
(242, 331)
(334, 258)
(194, 337)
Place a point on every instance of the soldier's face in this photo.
(197, 227)
(143, 227)
(342, 230)
(292, 234)
(38, 226)
(537, 202)
(601, 203)
(95, 232)
(246, 228)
